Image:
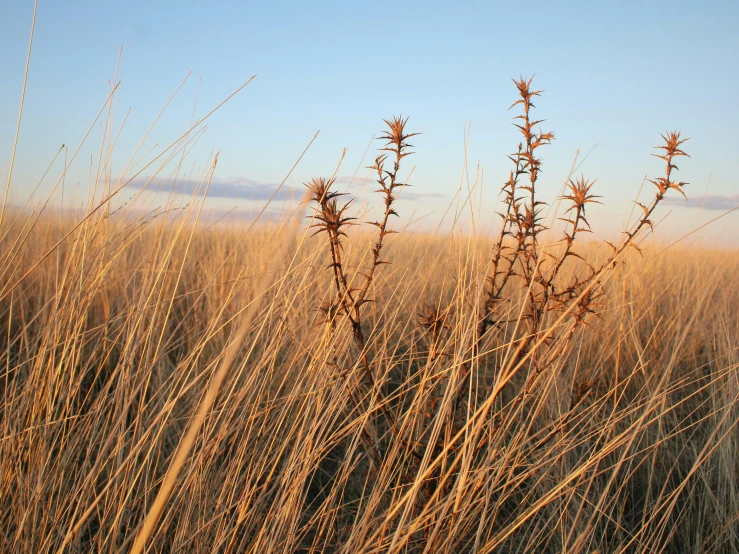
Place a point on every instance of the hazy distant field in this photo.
(320, 384)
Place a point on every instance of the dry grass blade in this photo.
(20, 116)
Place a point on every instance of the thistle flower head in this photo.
(396, 138)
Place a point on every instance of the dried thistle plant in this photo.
(521, 261)
(331, 218)
(590, 286)
(516, 251)
(397, 148)
(518, 254)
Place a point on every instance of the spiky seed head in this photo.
(320, 189)
(396, 137)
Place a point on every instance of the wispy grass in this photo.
(254, 388)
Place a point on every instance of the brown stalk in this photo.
(332, 219)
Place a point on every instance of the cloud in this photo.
(411, 196)
(242, 188)
(710, 202)
(357, 181)
(214, 216)
(410, 193)
(239, 188)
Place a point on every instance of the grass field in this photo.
(281, 388)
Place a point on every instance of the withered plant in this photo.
(347, 299)
(522, 260)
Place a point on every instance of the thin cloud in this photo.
(710, 202)
(242, 188)
(239, 188)
(422, 196)
(410, 193)
(355, 181)
(214, 216)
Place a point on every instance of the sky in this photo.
(615, 75)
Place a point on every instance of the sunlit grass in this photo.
(471, 394)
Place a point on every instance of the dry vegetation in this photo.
(347, 389)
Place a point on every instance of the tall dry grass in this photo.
(472, 394)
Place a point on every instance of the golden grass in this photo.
(425, 406)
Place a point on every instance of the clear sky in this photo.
(616, 74)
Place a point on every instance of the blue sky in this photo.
(616, 74)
